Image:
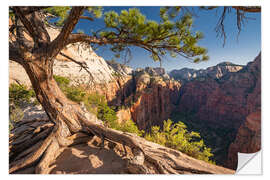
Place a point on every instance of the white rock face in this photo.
(32, 112)
(17, 74)
(99, 72)
(97, 66)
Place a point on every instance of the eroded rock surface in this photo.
(214, 72)
(222, 106)
(248, 138)
(87, 155)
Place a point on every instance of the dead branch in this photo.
(250, 9)
(60, 41)
(83, 65)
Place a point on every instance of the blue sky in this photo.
(240, 51)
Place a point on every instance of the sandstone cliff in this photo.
(99, 76)
(154, 99)
(217, 108)
(216, 102)
(248, 139)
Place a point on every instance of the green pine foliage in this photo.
(60, 13)
(159, 38)
(177, 136)
(172, 35)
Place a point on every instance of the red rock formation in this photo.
(123, 115)
(223, 105)
(114, 91)
(154, 101)
(248, 139)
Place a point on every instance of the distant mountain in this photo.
(215, 72)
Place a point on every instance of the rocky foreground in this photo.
(89, 155)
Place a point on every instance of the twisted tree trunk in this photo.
(39, 144)
(66, 116)
(68, 119)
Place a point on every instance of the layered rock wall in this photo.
(224, 105)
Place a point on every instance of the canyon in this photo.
(221, 108)
(223, 102)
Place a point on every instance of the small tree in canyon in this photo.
(31, 46)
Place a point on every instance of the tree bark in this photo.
(68, 119)
(67, 116)
(39, 146)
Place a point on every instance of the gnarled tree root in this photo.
(164, 160)
(147, 157)
(32, 157)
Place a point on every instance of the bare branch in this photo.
(251, 9)
(83, 65)
(27, 24)
(14, 54)
(220, 30)
(33, 24)
(60, 41)
(86, 17)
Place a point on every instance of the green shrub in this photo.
(131, 127)
(19, 94)
(108, 115)
(96, 104)
(61, 81)
(177, 136)
(15, 115)
(75, 94)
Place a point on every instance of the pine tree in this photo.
(122, 31)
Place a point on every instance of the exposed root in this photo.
(111, 134)
(33, 157)
(25, 136)
(21, 145)
(28, 151)
(164, 160)
(51, 153)
(144, 158)
(38, 145)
